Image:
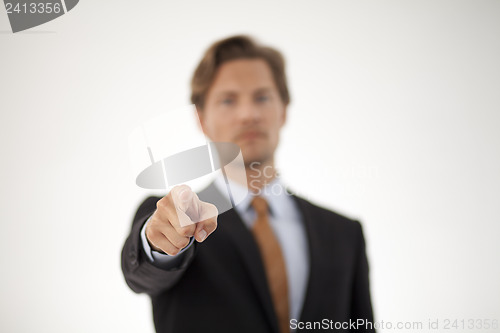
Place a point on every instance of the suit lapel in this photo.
(313, 290)
(230, 223)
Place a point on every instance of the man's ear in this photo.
(201, 120)
(283, 116)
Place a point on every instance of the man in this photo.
(273, 263)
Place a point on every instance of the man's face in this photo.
(243, 106)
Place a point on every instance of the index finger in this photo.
(188, 206)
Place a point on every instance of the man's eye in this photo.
(227, 101)
(263, 98)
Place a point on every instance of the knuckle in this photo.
(161, 204)
(209, 210)
(186, 231)
(182, 243)
(153, 225)
(152, 236)
(173, 251)
(150, 230)
(158, 220)
(153, 220)
(169, 197)
(212, 224)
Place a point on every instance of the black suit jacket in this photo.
(220, 285)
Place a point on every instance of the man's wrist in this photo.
(154, 253)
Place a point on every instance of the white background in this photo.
(394, 121)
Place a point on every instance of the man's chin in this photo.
(253, 154)
(255, 160)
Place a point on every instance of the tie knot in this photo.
(259, 204)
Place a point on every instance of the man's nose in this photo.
(249, 113)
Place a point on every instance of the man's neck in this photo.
(259, 174)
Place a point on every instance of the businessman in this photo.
(273, 263)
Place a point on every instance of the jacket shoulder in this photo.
(326, 217)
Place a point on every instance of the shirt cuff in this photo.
(155, 256)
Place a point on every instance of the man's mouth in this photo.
(251, 135)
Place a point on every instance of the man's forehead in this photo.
(244, 70)
(242, 76)
(237, 91)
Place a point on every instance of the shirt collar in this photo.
(278, 199)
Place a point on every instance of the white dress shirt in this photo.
(287, 224)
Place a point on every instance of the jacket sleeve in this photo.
(361, 308)
(141, 275)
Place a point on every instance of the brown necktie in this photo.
(274, 262)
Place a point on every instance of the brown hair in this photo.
(232, 48)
